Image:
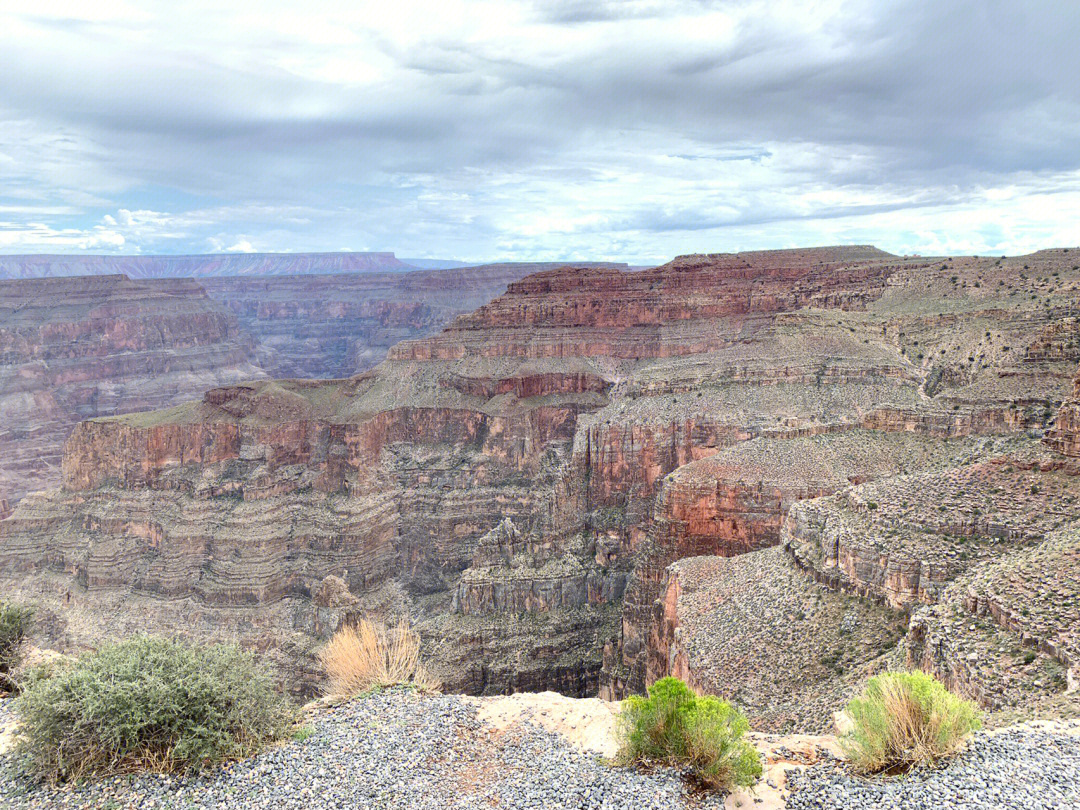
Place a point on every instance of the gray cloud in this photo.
(559, 125)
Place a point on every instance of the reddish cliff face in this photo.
(519, 484)
(592, 312)
(77, 348)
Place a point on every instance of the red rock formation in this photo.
(589, 312)
(77, 348)
(619, 420)
(339, 325)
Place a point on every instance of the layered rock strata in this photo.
(339, 325)
(902, 540)
(78, 348)
(519, 484)
(1064, 438)
(984, 559)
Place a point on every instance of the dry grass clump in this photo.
(905, 719)
(365, 656)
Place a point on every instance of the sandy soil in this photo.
(589, 724)
(586, 723)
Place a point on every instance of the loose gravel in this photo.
(1022, 768)
(391, 750)
(398, 749)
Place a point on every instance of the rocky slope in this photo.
(519, 484)
(77, 348)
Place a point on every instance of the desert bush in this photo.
(673, 726)
(904, 719)
(15, 621)
(149, 703)
(364, 656)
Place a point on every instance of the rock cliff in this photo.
(339, 325)
(78, 348)
(1064, 438)
(519, 485)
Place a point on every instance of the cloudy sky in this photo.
(607, 129)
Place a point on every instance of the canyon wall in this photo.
(519, 485)
(310, 325)
(81, 347)
(77, 348)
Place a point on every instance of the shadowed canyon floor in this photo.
(849, 445)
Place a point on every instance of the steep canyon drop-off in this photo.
(535, 486)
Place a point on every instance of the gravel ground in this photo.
(1022, 768)
(392, 750)
(402, 750)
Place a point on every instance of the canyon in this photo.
(77, 348)
(770, 473)
(336, 325)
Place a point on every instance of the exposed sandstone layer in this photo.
(77, 348)
(519, 484)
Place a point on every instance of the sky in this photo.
(569, 129)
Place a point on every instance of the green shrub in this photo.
(149, 703)
(905, 719)
(15, 623)
(675, 727)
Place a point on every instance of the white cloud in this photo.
(243, 246)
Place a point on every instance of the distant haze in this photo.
(225, 265)
(624, 130)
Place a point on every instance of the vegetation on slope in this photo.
(15, 623)
(904, 719)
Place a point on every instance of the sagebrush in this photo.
(15, 622)
(904, 719)
(149, 703)
(674, 726)
(364, 656)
